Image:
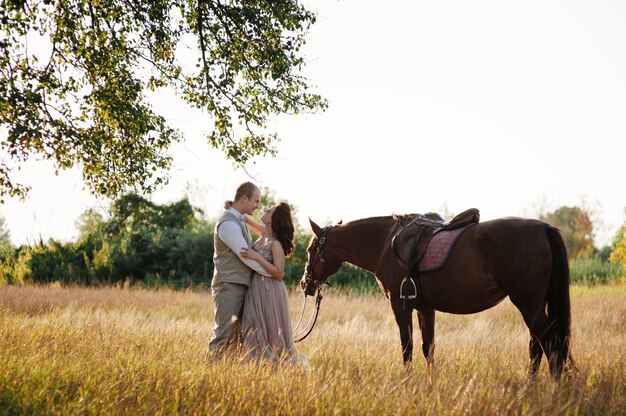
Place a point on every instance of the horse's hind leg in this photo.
(536, 352)
(404, 319)
(545, 339)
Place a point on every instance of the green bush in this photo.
(593, 270)
(142, 243)
(8, 260)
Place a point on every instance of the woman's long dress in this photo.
(266, 323)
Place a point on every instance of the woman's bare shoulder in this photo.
(277, 246)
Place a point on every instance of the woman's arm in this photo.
(276, 269)
(258, 228)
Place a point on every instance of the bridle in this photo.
(310, 277)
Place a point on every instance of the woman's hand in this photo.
(228, 204)
(248, 253)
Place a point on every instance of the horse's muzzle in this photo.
(308, 286)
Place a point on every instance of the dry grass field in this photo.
(126, 351)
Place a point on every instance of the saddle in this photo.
(410, 243)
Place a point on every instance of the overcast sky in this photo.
(509, 107)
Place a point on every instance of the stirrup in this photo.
(414, 296)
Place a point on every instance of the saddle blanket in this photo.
(439, 248)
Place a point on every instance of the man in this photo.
(232, 272)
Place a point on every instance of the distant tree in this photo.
(140, 242)
(88, 222)
(134, 212)
(618, 248)
(75, 75)
(5, 234)
(147, 241)
(576, 228)
(604, 253)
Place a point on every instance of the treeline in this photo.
(141, 243)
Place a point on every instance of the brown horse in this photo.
(523, 259)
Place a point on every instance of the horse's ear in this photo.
(316, 228)
(340, 222)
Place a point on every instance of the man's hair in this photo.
(246, 189)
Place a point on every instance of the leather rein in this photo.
(311, 277)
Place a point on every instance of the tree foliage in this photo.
(576, 228)
(5, 234)
(75, 75)
(618, 249)
(139, 243)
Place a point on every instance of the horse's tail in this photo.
(559, 311)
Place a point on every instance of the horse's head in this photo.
(318, 267)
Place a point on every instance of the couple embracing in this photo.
(250, 298)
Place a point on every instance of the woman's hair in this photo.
(246, 189)
(282, 226)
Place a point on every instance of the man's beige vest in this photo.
(228, 267)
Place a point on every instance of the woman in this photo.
(266, 324)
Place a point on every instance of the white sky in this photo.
(509, 107)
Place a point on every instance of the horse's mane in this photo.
(401, 219)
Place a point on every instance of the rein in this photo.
(299, 336)
(310, 276)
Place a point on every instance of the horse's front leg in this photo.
(426, 319)
(404, 319)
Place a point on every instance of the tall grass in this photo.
(126, 351)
